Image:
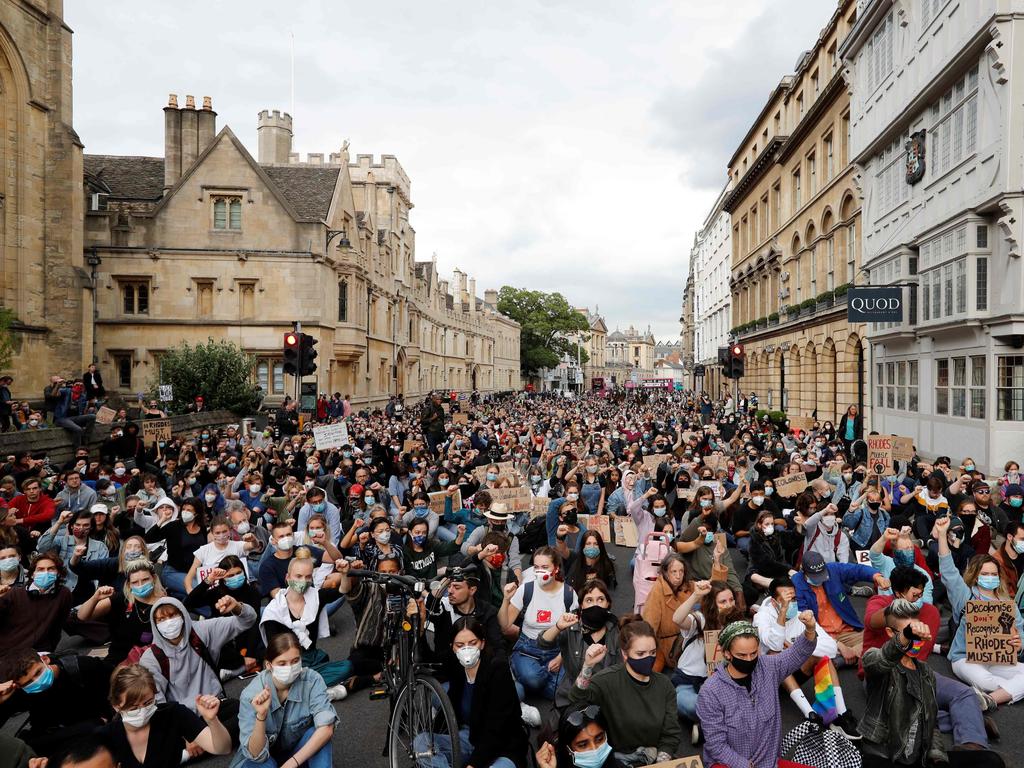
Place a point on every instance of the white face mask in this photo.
(468, 656)
(288, 674)
(285, 542)
(170, 628)
(254, 488)
(119, 471)
(137, 718)
(187, 517)
(383, 538)
(242, 528)
(769, 530)
(757, 501)
(828, 520)
(210, 498)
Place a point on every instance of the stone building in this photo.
(206, 241)
(686, 331)
(45, 280)
(711, 257)
(795, 215)
(630, 352)
(937, 134)
(595, 342)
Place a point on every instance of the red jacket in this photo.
(876, 638)
(37, 515)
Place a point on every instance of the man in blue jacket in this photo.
(824, 589)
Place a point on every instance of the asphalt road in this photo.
(360, 736)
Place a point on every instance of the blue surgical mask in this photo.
(791, 611)
(420, 511)
(144, 590)
(419, 540)
(443, 482)
(592, 551)
(234, 582)
(1016, 501)
(659, 511)
(706, 503)
(492, 476)
(904, 557)
(42, 682)
(988, 582)
(319, 507)
(968, 467)
(592, 758)
(44, 580)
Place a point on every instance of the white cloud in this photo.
(554, 144)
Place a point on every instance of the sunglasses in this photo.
(577, 717)
(984, 491)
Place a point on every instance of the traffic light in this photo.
(306, 365)
(736, 361)
(292, 350)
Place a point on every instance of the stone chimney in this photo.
(274, 130)
(472, 295)
(207, 124)
(172, 142)
(189, 134)
(491, 297)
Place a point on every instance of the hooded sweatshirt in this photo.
(190, 676)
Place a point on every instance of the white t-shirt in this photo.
(691, 661)
(209, 557)
(544, 610)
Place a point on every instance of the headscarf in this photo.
(734, 630)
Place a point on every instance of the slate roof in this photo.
(308, 188)
(136, 178)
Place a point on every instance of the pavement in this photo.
(361, 732)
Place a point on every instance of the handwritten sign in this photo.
(712, 650)
(863, 557)
(330, 436)
(437, 502)
(517, 499)
(716, 487)
(791, 485)
(902, 449)
(166, 392)
(412, 445)
(651, 463)
(460, 418)
(990, 625)
(879, 454)
(105, 415)
(716, 461)
(156, 429)
(693, 761)
(540, 507)
(598, 523)
(625, 533)
(686, 493)
(506, 470)
(801, 423)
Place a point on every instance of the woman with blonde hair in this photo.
(144, 733)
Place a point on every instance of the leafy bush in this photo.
(825, 296)
(220, 371)
(841, 290)
(773, 316)
(807, 303)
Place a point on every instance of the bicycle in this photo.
(419, 708)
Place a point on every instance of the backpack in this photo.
(533, 536)
(811, 744)
(567, 595)
(194, 641)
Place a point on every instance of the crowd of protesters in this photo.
(137, 579)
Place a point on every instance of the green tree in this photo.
(7, 338)
(220, 371)
(546, 320)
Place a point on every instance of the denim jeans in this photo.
(530, 669)
(77, 426)
(322, 758)
(959, 711)
(173, 581)
(686, 702)
(444, 533)
(442, 757)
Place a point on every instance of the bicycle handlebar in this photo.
(409, 582)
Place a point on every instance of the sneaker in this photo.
(991, 729)
(695, 735)
(337, 692)
(987, 703)
(863, 590)
(845, 725)
(814, 717)
(530, 715)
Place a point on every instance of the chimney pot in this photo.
(190, 102)
(172, 100)
(207, 103)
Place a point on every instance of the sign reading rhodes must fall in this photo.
(868, 304)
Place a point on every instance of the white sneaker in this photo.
(337, 692)
(695, 735)
(530, 715)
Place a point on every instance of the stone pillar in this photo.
(172, 142)
(189, 134)
(207, 124)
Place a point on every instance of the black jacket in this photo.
(495, 723)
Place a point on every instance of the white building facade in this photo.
(711, 257)
(938, 74)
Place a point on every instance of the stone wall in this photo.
(56, 442)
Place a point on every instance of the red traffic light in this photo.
(737, 350)
(291, 340)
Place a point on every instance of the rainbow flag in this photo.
(824, 693)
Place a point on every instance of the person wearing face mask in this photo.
(705, 557)
(146, 734)
(575, 632)
(897, 548)
(983, 579)
(213, 499)
(744, 513)
(822, 532)
(317, 504)
(33, 616)
(1013, 502)
(285, 714)
(582, 741)
(375, 543)
(420, 510)
(778, 627)
(12, 574)
(592, 562)
(184, 657)
(206, 557)
(273, 569)
(739, 707)
(1011, 553)
(184, 533)
(900, 723)
(867, 518)
(70, 535)
(483, 697)
(640, 705)
(767, 557)
(422, 552)
(64, 696)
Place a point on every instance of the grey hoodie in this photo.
(190, 675)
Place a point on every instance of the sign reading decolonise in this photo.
(874, 305)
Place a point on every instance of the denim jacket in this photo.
(306, 707)
(859, 523)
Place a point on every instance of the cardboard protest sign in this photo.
(166, 392)
(600, 523)
(716, 487)
(460, 418)
(863, 557)
(712, 650)
(791, 485)
(686, 493)
(879, 454)
(990, 626)
(105, 415)
(653, 461)
(693, 761)
(803, 423)
(446, 407)
(625, 532)
(902, 449)
(437, 502)
(517, 499)
(506, 469)
(330, 436)
(156, 429)
(721, 541)
(412, 445)
(540, 507)
(716, 461)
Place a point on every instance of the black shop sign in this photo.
(874, 305)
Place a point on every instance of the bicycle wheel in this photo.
(422, 713)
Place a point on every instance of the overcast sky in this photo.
(570, 145)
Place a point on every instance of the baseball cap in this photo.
(1014, 490)
(813, 567)
(355, 490)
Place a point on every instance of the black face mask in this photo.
(745, 667)
(874, 506)
(594, 617)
